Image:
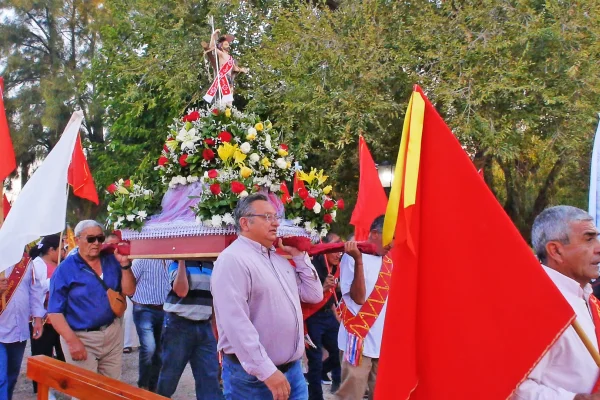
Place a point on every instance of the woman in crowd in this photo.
(45, 260)
(81, 308)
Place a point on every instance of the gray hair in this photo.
(85, 224)
(553, 225)
(244, 208)
(377, 224)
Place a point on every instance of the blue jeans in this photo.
(240, 385)
(148, 324)
(323, 330)
(186, 341)
(11, 356)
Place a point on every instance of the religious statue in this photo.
(224, 66)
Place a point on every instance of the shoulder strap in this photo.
(95, 274)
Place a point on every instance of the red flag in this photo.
(8, 162)
(470, 309)
(80, 176)
(5, 205)
(285, 193)
(298, 184)
(372, 201)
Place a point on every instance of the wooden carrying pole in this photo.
(586, 341)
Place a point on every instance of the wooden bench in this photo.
(79, 382)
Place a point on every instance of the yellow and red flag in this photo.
(470, 309)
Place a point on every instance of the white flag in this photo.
(41, 207)
(594, 207)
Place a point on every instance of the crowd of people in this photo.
(244, 322)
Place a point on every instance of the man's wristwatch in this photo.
(125, 268)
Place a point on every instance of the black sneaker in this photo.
(325, 380)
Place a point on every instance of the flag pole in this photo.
(63, 231)
(586, 341)
(2, 274)
(211, 20)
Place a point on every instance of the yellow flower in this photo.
(269, 125)
(259, 126)
(245, 172)
(282, 152)
(308, 178)
(238, 156)
(265, 162)
(327, 189)
(228, 112)
(171, 144)
(251, 134)
(122, 190)
(321, 178)
(226, 151)
(289, 165)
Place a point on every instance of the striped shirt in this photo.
(197, 305)
(152, 281)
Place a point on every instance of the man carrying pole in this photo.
(566, 242)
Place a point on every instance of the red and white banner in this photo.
(222, 83)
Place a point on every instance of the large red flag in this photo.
(470, 309)
(372, 201)
(298, 184)
(8, 162)
(80, 176)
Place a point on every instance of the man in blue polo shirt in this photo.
(187, 332)
(79, 309)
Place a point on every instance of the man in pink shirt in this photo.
(256, 296)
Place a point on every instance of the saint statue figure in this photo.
(224, 66)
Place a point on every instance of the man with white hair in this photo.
(91, 333)
(566, 242)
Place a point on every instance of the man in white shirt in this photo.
(566, 242)
(359, 273)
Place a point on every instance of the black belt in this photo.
(158, 307)
(191, 321)
(283, 367)
(97, 329)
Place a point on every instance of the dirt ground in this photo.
(185, 389)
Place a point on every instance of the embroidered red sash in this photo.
(14, 280)
(222, 83)
(358, 326)
(595, 311)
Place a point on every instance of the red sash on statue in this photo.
(222, 83)
(595, 311)
(14, 280)
(358, 326)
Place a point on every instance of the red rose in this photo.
(215, 111)
(111, 188)
(163, 160)
(237, 187)
(340, 204)
(209, 141)
(327, 218)
(328, 204)
(303, 193)
(310, 203)
(165, 148)
(208, 154)
(182, 161)
(224, 136)
(191, 117)
(215, 188)
(127, 183)
(284, 147)
(213, 173)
